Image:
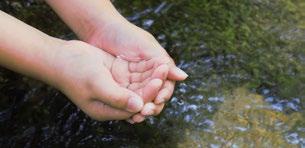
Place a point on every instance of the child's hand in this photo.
(100, 24)
(105, 87)
(132, 44)
(145, 78)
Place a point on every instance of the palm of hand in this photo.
(129, 41)
(144, 78)
(96, 81)
(134, 44)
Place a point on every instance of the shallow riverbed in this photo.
(246, 61)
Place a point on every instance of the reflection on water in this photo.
(246, 120)
(246, 62)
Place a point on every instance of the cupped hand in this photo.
(145, 78)
(106, 87)
(132, 43)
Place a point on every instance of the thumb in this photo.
(109, 92)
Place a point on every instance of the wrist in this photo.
(102, 29)
(96, 20)
(84, 17)
(47, 63)
(101, 24)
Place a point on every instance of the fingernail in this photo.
(159, 101)
(148, 109)
(140, 120)
(135, 104)
(130, 121)
(147, 112)
(181, 73)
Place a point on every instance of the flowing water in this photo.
(245, 58)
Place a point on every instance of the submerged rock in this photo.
(245, 120)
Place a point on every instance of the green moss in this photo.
(265, 37)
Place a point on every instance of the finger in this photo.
(121, 67)
(108, 91)
(159, 72)
(152, 109)
(101, 112)
(150, 91)
(141, 66)
(130, 121)
(176, 74)
(158, 109)
(148, 109)
(137, 118)
(139, 77)
(138, 85)
(166, 92)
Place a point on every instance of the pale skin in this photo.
(131, 80)
(103, 86)
(100, 24)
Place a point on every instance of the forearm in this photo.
(84, 16)
(25, 49)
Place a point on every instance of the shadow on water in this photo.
(247, 75)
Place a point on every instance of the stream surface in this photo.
(246, 66)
